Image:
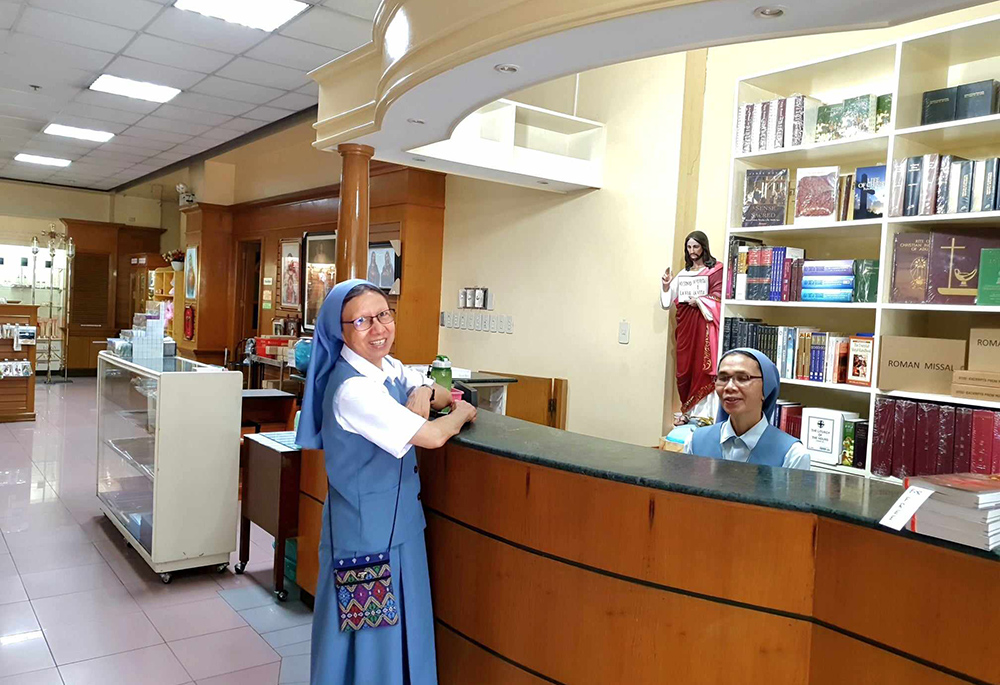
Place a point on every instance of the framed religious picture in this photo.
(291, 278)
(191, 273)
(319, 273)
(385, 265)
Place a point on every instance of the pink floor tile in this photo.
(11, 590)
(22, 656)
(218, 653)
(48, 676)
(7, 567)
(81, 607)
(66, 581)
(150, 666)
(20, 514)
(17, 618)
(52, 557)
(261, 675)
(72, 642)
(194, 618)
(153, 594)
(71, 534)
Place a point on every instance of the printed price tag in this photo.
(905, 507)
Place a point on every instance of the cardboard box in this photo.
(919, 364)
(984, 379)
(975, 392)
(984, 349)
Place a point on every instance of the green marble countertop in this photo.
(860, 501)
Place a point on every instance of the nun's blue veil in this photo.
(772, 381)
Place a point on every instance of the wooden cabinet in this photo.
(17, 394)
(210, 231)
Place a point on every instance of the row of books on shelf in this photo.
(832, 437)
(964, 508)
(968, 100)
(761, 273)
(805, 353)
(820, 195)
(799, 120)
(946, 267)
(943, 184)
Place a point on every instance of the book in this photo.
(828, 267)
(897, 187)
(741, 273)
(858, 116)
(939, 106)
(817, 348)
(765, 116)
(816, 195)
(982, 441)
(911, 194)
(843, 360)
(990, 185)
(777, 273)
(985, 379)
(988, 291)
(924, 459)
(978, 184)
(954, 187)
(904, 432)
(910, 256)
(869, 192)
(828, 122)
(865, 280)
(975, 392)
(802, 110)
(861, 430)
(953, 267)
(861, 350)
(847, 442)
(943, 184)
(822, 433)
(965, 186)
(765, 194)
(944, 440)
(755, 127)
(830, 282)
(962, 489)
(928, 183)
(977, 99)
(825, 295)
(882, 436)
(780, 109)
(883, 111)
(744, 128)
(995, 466)
(963, 440)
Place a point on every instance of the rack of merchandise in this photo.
(905, 70)
(17, 363)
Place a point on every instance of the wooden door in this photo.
(248, 291)
(538, 400)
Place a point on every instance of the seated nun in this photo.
(747, 385)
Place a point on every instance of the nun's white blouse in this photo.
(738, 447)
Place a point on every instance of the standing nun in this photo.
(367, 412)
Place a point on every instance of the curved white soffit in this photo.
(444, 100)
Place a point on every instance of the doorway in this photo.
(247, 292)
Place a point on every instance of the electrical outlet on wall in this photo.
(493, 323)
(447, 319)
(479, 321)
(510, 324)
(623, 332)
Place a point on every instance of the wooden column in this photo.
(352, 217)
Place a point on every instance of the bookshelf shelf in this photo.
(964, 133)
(968, 219)
(860, 148)
(836, 230)
(922, 307)
(944, 399)
(803, 305)
(837, 387)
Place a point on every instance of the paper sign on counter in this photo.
(905, 507)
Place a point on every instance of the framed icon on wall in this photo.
(291, 278)
(385, 265)
(191, 273)
(319, 255)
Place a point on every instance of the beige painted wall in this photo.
(570, 267)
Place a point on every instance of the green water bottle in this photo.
(441, 371)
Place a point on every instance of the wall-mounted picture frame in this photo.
(385, 265)
(277, 326)
(289, 260)
(319, 275)
(191, 273)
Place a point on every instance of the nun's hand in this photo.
(419, 402)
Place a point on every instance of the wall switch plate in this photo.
(447, 319)
(623, 332)
(510, 324)
(461, 298)
(490, 300)
(461, 320)
(442, 318)
(454, 319)
(493, 323)
(479, 321)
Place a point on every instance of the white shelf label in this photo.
(905, 507)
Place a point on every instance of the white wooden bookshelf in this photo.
(905, 68)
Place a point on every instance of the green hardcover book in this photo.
(883, 111)
(865, 280)
(828, 120)
(989, 278)
(858, 117)
(847, 444)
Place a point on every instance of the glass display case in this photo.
(168, 458)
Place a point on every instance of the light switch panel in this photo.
(461, 319)
(447, 319)
(461, 298)
(623, 332)
(493, 323)
(510, 324)
(479, 321)
(490, 300)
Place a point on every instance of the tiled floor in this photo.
(79, 607)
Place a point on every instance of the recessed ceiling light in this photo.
(81, 133)
(772, 12)
(507, 68)
(47, 161)
(419, 159)
(140, 90)
(419, 122)
(265, 15)
(543, 183)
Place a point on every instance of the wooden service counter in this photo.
(557, 558)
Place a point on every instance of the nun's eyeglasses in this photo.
(741, 380)
(363, 323)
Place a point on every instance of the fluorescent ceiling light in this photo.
(140, 90)
(35, 159)
(266, 15)
(81, 133)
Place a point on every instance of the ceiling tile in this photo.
(129, 14)
(33, 148)
(268, 113)
(96, 124)
(294, 101)
(330, 28)
(174, 54)
(121, 157)
(170, 157)
(66, 29)
(143, 169)
(26, 172)
(236, 90)
(51, 78)
(154, 134)
(39, 110)
(220, 135)
(311, 88)
(207, 103)
(192, 147)
(8, 13)
(93, 97)
(139, 70)
(191, 115)
(30, 47)
(293, 53)
(153, 145)
(58, 146)
(363, 9)
(263, 73)
(207, 32)
(161, 124)
(36, 100)
(114, 146)
(96, 164)
(14, 124)
(242, 125)
(103, 113)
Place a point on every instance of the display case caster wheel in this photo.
(166, 578)
(240, 568)
(222, 568)
(282, 595)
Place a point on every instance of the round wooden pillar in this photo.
(352, 217)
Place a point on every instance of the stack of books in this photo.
(945, 267)
(943, 184)
(842, 436)
(782, 274)
(913, 438)
(965, 509)
(968, 100)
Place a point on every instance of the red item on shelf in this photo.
(903, 453)
(882, 434)
(982, 441)
(945, 440)
(925, 458)
(963, 440)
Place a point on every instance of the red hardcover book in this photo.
(982, 441)
(925, 456)
(885, 414)
(904, 434)
(963, 440)
(753, 267)
(786, 280)
(841, 368)
(795, 425)
(944, 440)
(996, 443)
(789, 417)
